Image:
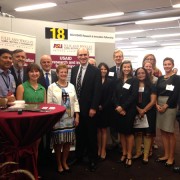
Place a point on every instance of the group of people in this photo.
(97, 98)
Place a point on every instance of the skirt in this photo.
(166, 121)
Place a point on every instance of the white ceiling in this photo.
(72, 11)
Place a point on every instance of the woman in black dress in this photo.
(105, 111)
(124, 99)
(145, 106)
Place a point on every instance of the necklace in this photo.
(62, 84)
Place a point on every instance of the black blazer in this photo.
(42, 81)
(25, 76)
(90, 90)
(113, 69)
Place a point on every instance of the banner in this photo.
(66, 52)
(12, 41)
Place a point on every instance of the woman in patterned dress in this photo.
(63, 133)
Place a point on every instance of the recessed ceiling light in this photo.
(157, 20)
(129, 32)
(176, 6)
(165, 35)
(143, 42)
(170, 44)
(35, 7)
(103, 15)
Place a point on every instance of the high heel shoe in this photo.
(159, 160)
(170, 164)
(128, 162)
(122, 160)
(136, 157)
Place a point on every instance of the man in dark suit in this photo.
(18, 70)
(46, 72)
(46, 64)
(88, 96)
(114, 73)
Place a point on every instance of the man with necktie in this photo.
(88, 92)
(114, 73)
(18, 70)
(47, 77)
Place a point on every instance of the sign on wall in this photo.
(79, 35)
(66, 52)
(12, 41)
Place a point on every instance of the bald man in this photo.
(46, 64)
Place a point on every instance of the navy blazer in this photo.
(90, 89)
(42, 80)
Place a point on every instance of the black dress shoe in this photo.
(176, 169)
(145, 162)
(61, 172)
(160, 160)
(68, 170)
(92, 167)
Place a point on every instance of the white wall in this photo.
(103, 51)
(160, 54)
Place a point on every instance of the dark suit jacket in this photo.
(90, 90)
(25, 76)
(113, 69)
(42, 81)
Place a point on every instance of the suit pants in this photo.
(86, 138)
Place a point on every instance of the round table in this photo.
(21, 134)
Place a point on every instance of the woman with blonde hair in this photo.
(63, 134)
(150, 57)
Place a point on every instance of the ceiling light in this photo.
(157, 20)
(176, 6)
(170, 44)
(36, 6)
(126, 47)
(165, 35)
(143, 42)
(129, 32)
(103, 15)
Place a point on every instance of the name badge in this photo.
(141, 89)
(126, 86)
(169, 87)
(13, 84)
(111, 74)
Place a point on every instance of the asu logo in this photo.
(57, 46)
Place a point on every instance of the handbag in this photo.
(141, 122)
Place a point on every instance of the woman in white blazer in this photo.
(63, 134)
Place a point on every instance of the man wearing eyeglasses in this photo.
(18, 70)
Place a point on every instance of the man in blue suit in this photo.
(88, 96)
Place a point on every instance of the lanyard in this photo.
(7, 82)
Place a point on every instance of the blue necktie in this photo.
(47, 79)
